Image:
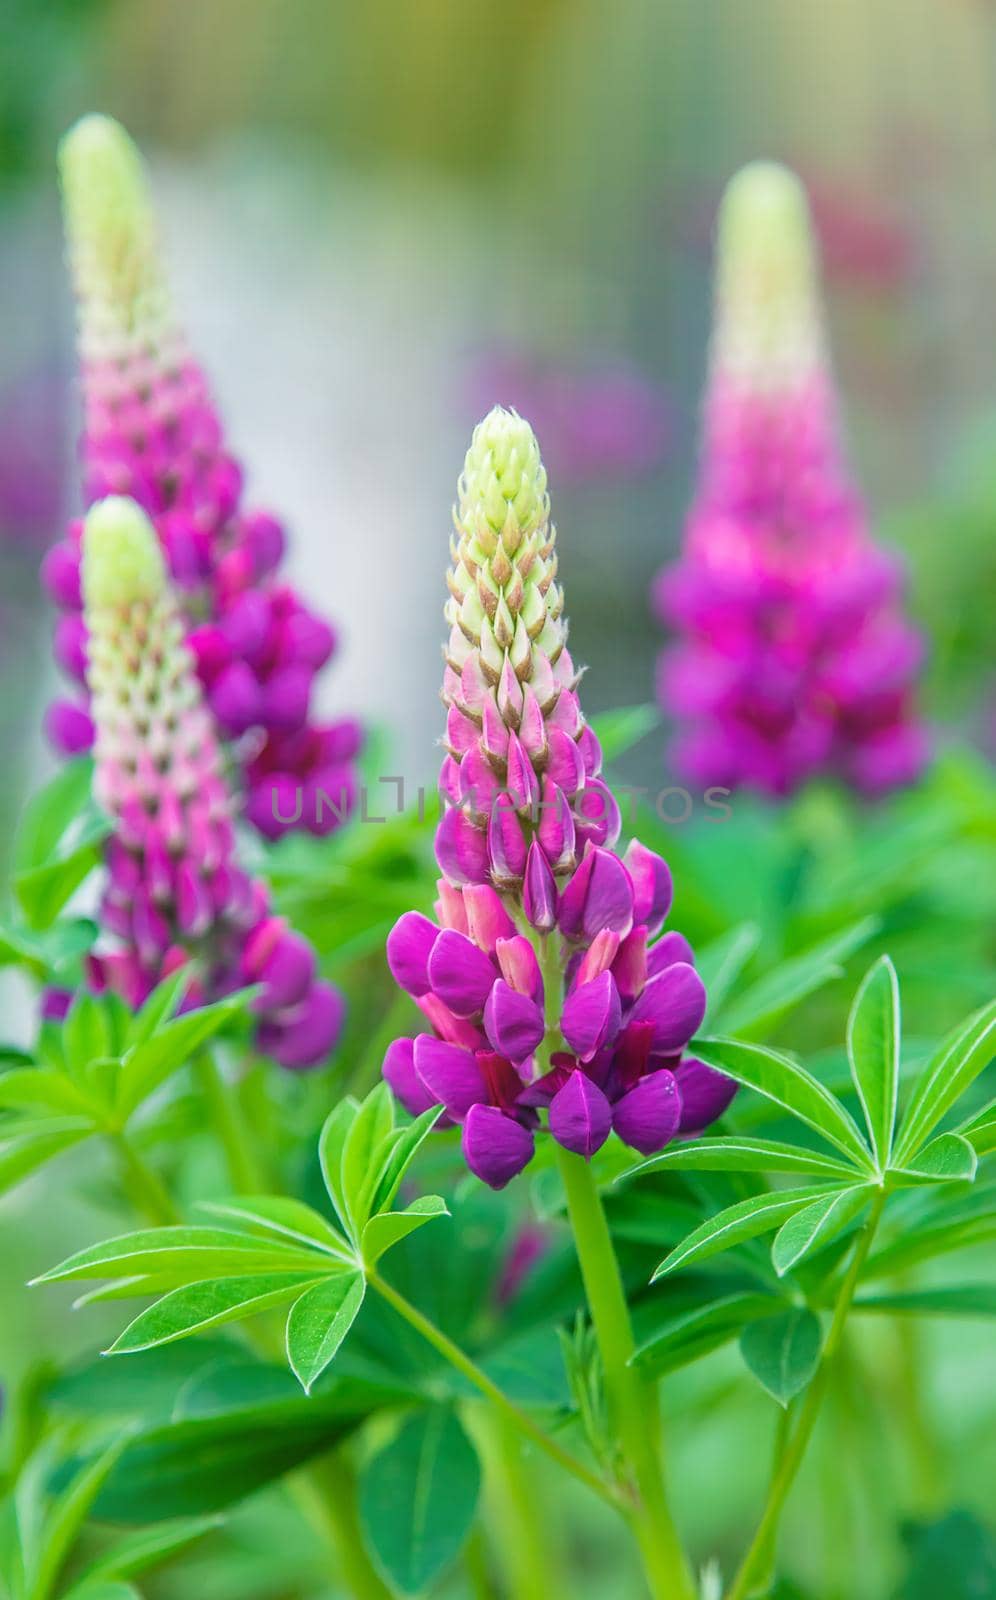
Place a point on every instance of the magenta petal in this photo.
(592, 1016)
(649, 1115)
(705, 1094)
(513, 1022)
(506, 843)
(597, 818)
(307, 1039)
(669, 949)
(652, 887)
(235, 698)
(539, 891)
(409, 945)
(450, 1074)
(599, 895)
(519, 966)
(487, 919)
(461, 850)
(69, 727)
(675, 1002)
(495, 1147)
(580, 1116)
(460, 973)
(287, 972)
(404, 1082)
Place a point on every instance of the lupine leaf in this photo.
(319, 1321)
(721, 962)
(702, 1328)
(980, 1131)
(796, 978)
(26, 1151)
(964, 1300)
(85, 1032)
(388, 1228)
(43, 1088)
(147, 1065)
(68, 1513)
(290, 1219)
(197, 1306)
(748, 1219)
(331, 1143)
(925, 1243)
(102, 1589)
(810, 1229)
(43, 891)
(418, 1498)
(788, 1085)
(137, 1552)
(950, 1157)
(783, 1352)
(56, 843)
(873, 1034)
(407, 1142)
(189, 1254)
(733, 1153)
(364, 1153)
(963, 1055)
(158, 1008)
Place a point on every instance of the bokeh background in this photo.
(381, 219)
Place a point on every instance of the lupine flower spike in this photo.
(543, 981)
(794, 657)
(175, 892)
(151, 431)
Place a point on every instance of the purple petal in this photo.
(287, 972)
(675, 1002)
(669, 949)
(404, 1082)
(705, 1094)
(450, 1074)
(592, 1016)
(506, 843)
(519, 966)
(652, 887)
(580, 1116)
(409, 945)
(521, 782)
(649, 1115)
(495, 1147)
(512, 1022)
(556, 834)
(539, 891)
(460, 973)
(308, 1038)
(461, 850)
(597, 818)
(599, 895)
(69, 727)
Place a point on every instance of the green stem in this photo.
(752, 1567)
(327, 1490)
(480, 1380)
(148, 1192)
(525, 1544)
(633, 1401)
(478, 1567)
(229, 1124)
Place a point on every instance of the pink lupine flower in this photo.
(151, 432)
(543, 979)
(793, 655)
(175, 892)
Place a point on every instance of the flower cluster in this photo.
(151, 432)
(794, 656)
(544, 981)
(175, 892)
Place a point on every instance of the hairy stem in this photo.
(485, 1386)
(753, 1566)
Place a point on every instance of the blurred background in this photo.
(380, 220)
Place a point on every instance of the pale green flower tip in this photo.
(503, 472)
(102, 174)
(764, 223)
(122, 559)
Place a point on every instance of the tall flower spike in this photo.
(175, 891)
(151, 431)
(793, 655)
(540, 981)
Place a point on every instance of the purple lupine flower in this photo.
(151, 432)
(175, 892)
(793, 655)
(544, 980)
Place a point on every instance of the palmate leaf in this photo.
(735, 1153)
(318, 1323)
(198, 1306)
(747, 1219)
(65, 1517)
(817, 1224)
(965, 1053)
(873, 1036)
(58, 843)
(103, 1589)
(183, 1254)
(30, 1146)
(147, 1064)
(363, 1152)
(801, 975)
(695, 1331)
(418, 1498)
(783, 1352)
(963, 1300)
(388, 1228)
(364, 1157)
(788, 1085)
(288, 1218)
(980, 1130)
(138, 1552)
(947, 1158)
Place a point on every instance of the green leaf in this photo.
(926, 1243)
(796, 978)
(137, 1552)
(51, 811)
(873, 1035)
(85, 1034)
(158, 1008)
(197, 1306)
(68, 1514)
(102, 1589)
(980, 1130)
(699, 1330)
(331, 1144)
(788, 1085)
(407, 1143)
(734, 1153)
(25, 1152)
(319, 1321)
(188, 1254)
(810, 1229)
(948, 1158)
(363, 1155)
(57, 843)
(748, 1219)
(963, 1055)
(291, 1219)
(783, 1352)
(618, 731)
(43, 1088)
(150, 1063)
(720, 963)
(964, 1300)
(418, 1498)
(388, 1228)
